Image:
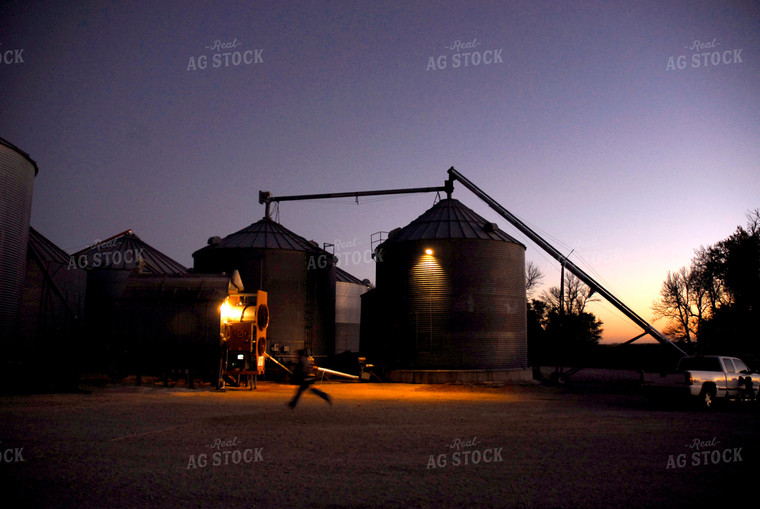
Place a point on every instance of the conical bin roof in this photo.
(449, 219)
(125, 251)
(263, 234)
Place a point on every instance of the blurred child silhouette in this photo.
(304, 377)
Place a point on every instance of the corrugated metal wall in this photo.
(52, 307)
(17, 174)
(169, 321)
(462, 307)
(347, 316)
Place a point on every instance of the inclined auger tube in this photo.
(577, 271)
(266, 198)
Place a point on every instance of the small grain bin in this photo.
(450, 296)
(298, 276)
(348, 292)
(109, 265)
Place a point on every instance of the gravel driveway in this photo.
(379, 445)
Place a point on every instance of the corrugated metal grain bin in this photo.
(17, 173)
(52, 307)
(348, 292)
(108, 264)
(450, 295)
(54, 293)
(298, 276)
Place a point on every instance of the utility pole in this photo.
(562, 289)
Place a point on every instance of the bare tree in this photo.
(705, 270)
(533, 277)
(753, 222)
(684, 300)
(717, 292)
(577, 295)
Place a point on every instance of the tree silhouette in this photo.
(716, 300)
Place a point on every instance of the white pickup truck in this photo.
(706, 379)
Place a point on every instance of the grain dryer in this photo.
(244, 318)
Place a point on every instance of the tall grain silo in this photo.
(17, 173)
(298, 275)
(450, 297)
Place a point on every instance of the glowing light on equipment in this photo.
(224, 312)
(244, 319)
(429, 251)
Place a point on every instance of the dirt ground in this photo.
(588, 444)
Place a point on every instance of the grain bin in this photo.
(109, 264)
(53, 304)
(17, 173)
(50, 317)
(450, 295)
(348, 292)
(298, 276)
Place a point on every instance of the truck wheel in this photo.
(707, 398)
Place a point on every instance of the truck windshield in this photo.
(699, 364)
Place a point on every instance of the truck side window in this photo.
(740, 366)
(729, 366)
(699, 364)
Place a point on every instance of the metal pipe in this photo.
(331, 372)
(278, 363)
(596, 287)
(266, 198)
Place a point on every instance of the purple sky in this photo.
(577, 125)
